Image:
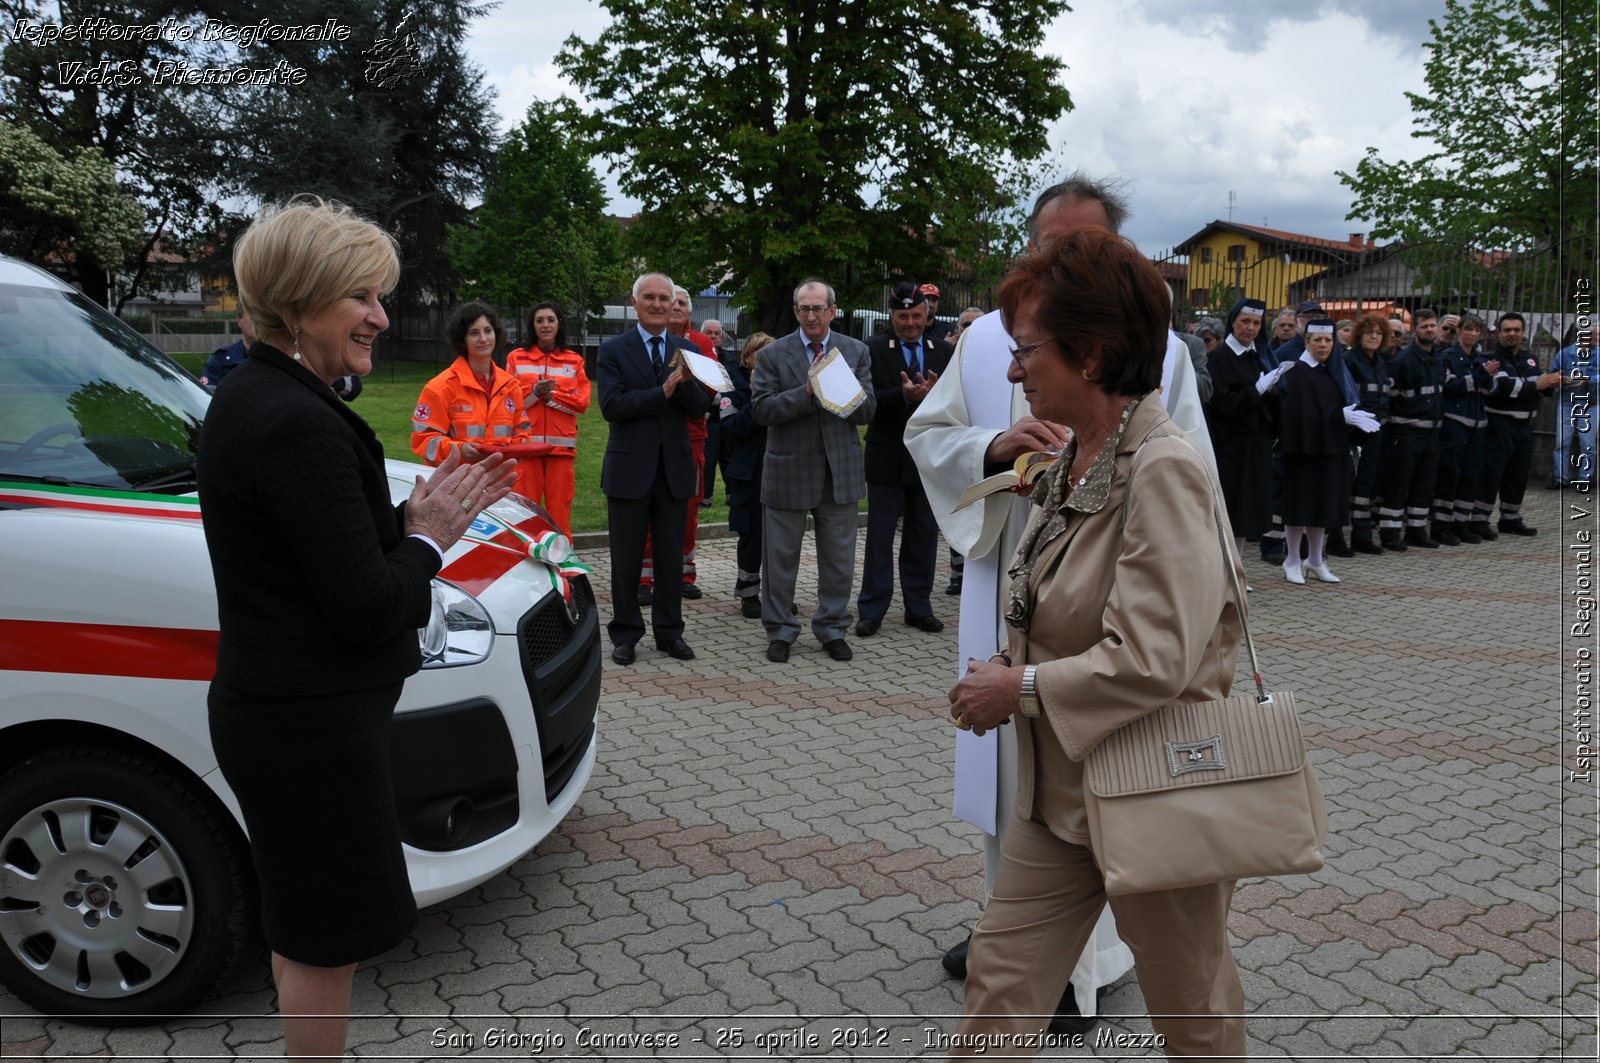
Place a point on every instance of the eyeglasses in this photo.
(1021, 354)
(810, 311)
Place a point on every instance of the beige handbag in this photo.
(1207, 792)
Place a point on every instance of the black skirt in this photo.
(1244, 466)
(1316, 490)
(312, 778)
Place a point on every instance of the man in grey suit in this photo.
(813, 465)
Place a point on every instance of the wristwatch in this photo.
(1028, 702)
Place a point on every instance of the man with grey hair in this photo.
(678, 325)
(975, 419)
(648, 475)
(814, 464)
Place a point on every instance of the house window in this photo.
(1205, 254)
(1197, 296)
(1235, 252)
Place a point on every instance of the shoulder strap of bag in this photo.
(1262, 696)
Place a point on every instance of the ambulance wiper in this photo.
(180, 476)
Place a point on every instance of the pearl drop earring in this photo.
(297, 343)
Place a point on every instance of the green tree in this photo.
(855, 139)
(1509, 119)
(409, 146)
(93, 92)
(542, 231)
(52, 203)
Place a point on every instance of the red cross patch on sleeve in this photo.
(422, 412)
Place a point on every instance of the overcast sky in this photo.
(1185, 99)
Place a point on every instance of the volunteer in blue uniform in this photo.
(1369, 367)
(1516, 386)
(224, 360)
(1460, 436)
(1575, 434)
(1411, 443)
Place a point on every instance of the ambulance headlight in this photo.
(459, 630)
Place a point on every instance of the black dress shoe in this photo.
(1366, 546)
(955, 961)
(623, 653)
(750, 608)
(838, 649)
(645, 595)
(1395, 543)
(925, 623)
(1516, 527)
(777, 651)
(954, 587)
(1467, 535)
(1275, 557)
(868, 628)
(1483, 531)
(1068, 1018)
(1337, 547)
(1445, 536)
(1419, 538)
(692, 590)
(675, 648)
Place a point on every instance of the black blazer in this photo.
(318, 588)
(888, 460)
(649, 430)
(744, 441)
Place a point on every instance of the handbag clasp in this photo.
(1184, 757)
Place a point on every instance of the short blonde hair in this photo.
(304, 254)
(752, 345)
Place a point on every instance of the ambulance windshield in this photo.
(84, 400)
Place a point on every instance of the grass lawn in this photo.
(390, 394)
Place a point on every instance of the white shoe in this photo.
(1323, 573)
(1249, 589)
(1293, 574)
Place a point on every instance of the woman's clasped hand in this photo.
(443, 506)
(986, 696)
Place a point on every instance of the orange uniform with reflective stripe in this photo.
(551, 481)
(554, 418)
(454, 408)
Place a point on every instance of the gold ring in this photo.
(466, 503)
(961, 722)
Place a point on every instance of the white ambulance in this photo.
(125, 879)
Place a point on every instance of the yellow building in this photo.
(1228, 261)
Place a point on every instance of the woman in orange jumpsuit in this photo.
(555, 391)
(473, 403)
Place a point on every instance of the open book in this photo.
(1027, 468)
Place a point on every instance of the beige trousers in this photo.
(1047, 897)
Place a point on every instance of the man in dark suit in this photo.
(905, 363)
(813, 465)
(649, 473)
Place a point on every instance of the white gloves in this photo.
(1360, 419)
(1266, 380)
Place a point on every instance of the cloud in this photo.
(1188, 120)
(1404, 21)
(1187, 100)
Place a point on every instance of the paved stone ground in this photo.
(767, 849)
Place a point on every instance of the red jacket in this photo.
(553, 419)
(697, 425)
(454, 409)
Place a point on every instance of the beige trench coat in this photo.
(1130, 612)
